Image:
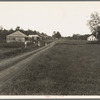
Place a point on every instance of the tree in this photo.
(76, 36)
(1, 28)
(98, 33)
(56, 34)
(17, 28)
(94, 22)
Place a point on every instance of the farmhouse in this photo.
(17, 37)
(92, 38)
(44, 36)
(35, 37)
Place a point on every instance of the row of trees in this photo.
(78, 37)
(5, 32)
(56, 34)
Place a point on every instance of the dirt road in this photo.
(17, 64)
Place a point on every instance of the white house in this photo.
(92, 38)
(17, 37)
(34, 36)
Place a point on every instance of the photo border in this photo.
(49, 97)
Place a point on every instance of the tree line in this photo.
(78, 37)
(5, 32)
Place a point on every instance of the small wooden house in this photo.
(17, 37)
(35, 37)
(92, 38)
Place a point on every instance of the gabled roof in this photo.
(42, 35)
(18, 33)
(33, 36)
(92, 36)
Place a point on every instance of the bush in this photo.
(13, 52)
(12, 45)
(92, 42)
(30, 44)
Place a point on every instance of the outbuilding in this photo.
(35, 37)
(17, 37)
(92, 38)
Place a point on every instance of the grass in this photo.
(69, 68)
(13, 49)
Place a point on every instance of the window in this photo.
(13, 38)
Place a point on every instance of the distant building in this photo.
(35, 37)
(17, 37)
(44, 36)
(92, 38)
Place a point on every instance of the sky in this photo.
(67, 17)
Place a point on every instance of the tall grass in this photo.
(12, 45)
(15, 48)
(65, 69)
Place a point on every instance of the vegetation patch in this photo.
(16, 48)
(12, 45)
(93, 42)
(62, 70)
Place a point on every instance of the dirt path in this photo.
(11, 61)
(17, 64)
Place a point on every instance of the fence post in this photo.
(25, 44)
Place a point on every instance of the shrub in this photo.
(13, 52)
(12, 45)
(92, 42)
(30, 44)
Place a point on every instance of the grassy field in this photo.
(6, 53)
(69, 68)
(13, 49)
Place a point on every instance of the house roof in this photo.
(18, 33)
(91, 36)
(42, 35)
(33, 36)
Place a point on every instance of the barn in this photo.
(17, 37)
(92, 38)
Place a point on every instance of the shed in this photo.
(34, 36)
(92, 38)
(17, 37)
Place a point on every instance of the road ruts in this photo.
(7, 74)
